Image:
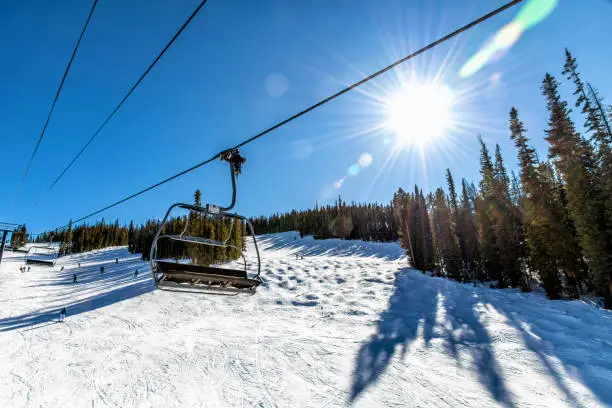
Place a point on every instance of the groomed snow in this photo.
(346, 324)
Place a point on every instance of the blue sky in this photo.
(242, 66)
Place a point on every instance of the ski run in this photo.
(336, 323)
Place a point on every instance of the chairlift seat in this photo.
(177, 275)
(43, 262)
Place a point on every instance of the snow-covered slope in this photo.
(336, 323)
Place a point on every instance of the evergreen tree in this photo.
(196, 253)
(66, 245)
(19, 238)
(428, 249)
(415, 228)
(596, 121)
(597, 110)
(401, 203)
(486, 222)
(586, 204)
(508, 227)
(516, 190)
(468, 236)
(459, 229)
(449, 256)
(452, 193)
(598, 125)
(130, 237)
(604, 152)
(552, 248)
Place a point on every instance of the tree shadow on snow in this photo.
(565, 336)
(121, 288)
(92, 274)
(412, 308)
(409, 308)
(463, 331)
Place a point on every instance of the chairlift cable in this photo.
(57, 94)
(126, 96)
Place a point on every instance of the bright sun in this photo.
(420, 113)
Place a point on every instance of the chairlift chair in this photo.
(45, 255)
(168, 275)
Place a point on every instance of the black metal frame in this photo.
(5, 228)
(215, 283)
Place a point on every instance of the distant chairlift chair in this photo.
(177, 276)
(45, 255)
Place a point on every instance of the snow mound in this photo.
(342, 323)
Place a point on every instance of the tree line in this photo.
(368, 222)
(139, 238)
(86, 237)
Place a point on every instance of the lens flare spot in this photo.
(531, 14)
(354, 170)
(339, 183)
(503, 41)
(365, 159)
(508, 36)
(535, 11)
(276, 85)
(301, 149)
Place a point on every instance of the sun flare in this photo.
(420, 113)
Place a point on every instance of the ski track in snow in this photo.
(336, 323)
